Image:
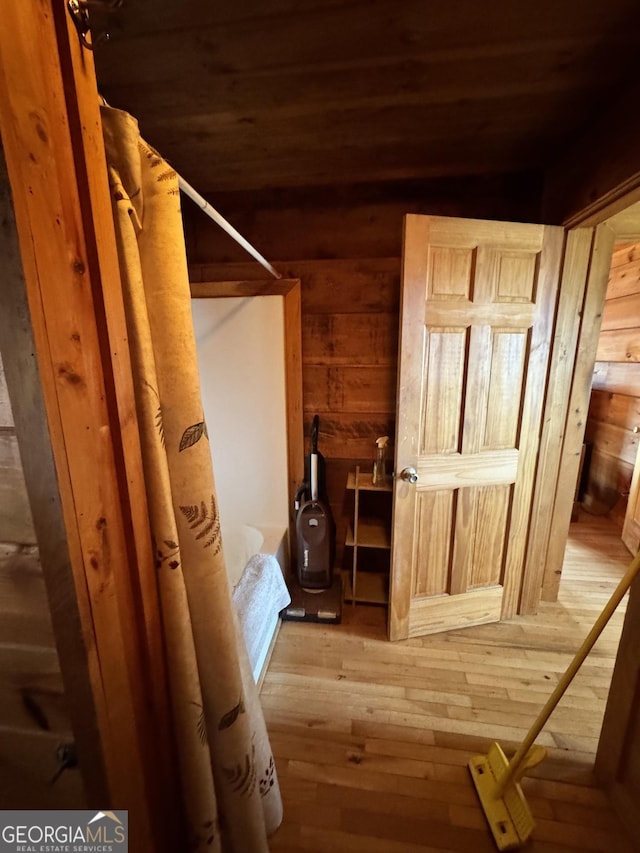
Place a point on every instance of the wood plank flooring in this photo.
(372, 738)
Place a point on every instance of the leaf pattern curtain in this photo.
(231, 794)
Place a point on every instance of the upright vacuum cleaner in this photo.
(316, 594)
(314, 529)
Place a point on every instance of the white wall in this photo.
(240, 344)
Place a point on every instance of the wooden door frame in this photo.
(597, 177)
(290, 290)
(91, 520)
(24, 385)
(591, 314)
(600, 177)
(581, 300)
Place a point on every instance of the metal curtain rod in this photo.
(211, 212)
(79, 11)
(204, 205)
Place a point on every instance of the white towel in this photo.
(259, 594)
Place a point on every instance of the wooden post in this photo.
(32, 429)
(51, 135)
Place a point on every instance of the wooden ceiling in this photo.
(252, 95)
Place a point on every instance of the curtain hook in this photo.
(79, 11)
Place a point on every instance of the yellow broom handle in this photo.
(568, 677)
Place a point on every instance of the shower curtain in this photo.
(230, 789)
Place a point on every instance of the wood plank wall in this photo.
(614, 410)
(345, 245)
(33, 717)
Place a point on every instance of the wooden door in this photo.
(618, 758)
(476, 320)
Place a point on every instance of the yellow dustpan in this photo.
(497, 779)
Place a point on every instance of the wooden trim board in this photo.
(51, 135)
(27, 403)
(563, 356)
(577, 414)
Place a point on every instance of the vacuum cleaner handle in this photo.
(313, 458)
(298, 498)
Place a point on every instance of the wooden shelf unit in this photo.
(368, 530)
(372, 588)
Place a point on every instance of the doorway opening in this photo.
(606, 491)
(613, 425)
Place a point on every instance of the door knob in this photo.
(409, 474)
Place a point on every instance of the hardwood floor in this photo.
(372, 738)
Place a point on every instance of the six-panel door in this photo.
(477, 310)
